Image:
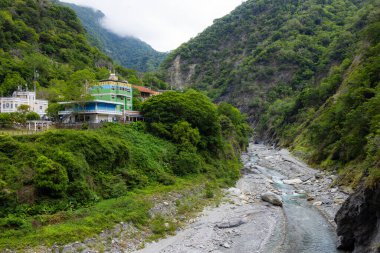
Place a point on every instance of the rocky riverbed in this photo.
(246, 223)
(279, 205)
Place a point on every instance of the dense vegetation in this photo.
(42, 37)
(67, 185)
(192, 121)
(306, 72)
(336, 123)
(128, 51)
(60, 171)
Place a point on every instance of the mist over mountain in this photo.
(128, 51)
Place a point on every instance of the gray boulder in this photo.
(232, 223)
(293, 181)
(272, 198)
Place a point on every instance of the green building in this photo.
(112, 90)
(112, 101)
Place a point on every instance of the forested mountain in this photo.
(306, 72)
(128, 51)
(41, 36)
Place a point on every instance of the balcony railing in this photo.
(113, 112)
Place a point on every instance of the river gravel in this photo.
(244, 223)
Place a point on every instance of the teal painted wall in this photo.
(114, 92)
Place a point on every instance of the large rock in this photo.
(358, 221)
(272, 198)
(293, 181)
(231, 223)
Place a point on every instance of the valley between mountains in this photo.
(157, 158)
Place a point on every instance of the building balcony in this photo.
(106, 112)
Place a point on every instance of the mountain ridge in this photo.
(128, 51)
(307, 75)
(278, 63)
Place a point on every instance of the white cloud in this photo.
(164, 24)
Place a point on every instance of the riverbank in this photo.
(244, 223)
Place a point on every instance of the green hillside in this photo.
(303, 70)
(128, 51)
(68, 185)
(48, 38)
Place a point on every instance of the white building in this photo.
(10, 104)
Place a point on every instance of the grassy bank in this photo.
(76, 225)
(65, 186)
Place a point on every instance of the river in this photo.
(244, 223)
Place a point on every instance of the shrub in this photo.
(14, 222)
(80, 192)
(187, 163)
(51, 178)
(185, 135)
(135, 178)
(32, 116)
(166, 179)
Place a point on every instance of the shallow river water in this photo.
(306, 229)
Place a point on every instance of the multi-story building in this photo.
(112, 90)
(20, 97)
(111, 99)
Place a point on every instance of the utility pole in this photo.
(35, 78)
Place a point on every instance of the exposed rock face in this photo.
(181, 74)
(359, 221)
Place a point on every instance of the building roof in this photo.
(117, 83)
(146, 90)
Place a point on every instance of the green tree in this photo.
(164, 111)
(32, 116)
(53, 110)
(185, 135)
(11, 82)
(23, 108)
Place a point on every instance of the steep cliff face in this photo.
(359, 221)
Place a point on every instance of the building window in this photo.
(41, 107)
(11, 106)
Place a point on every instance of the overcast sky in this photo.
(164, 24)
